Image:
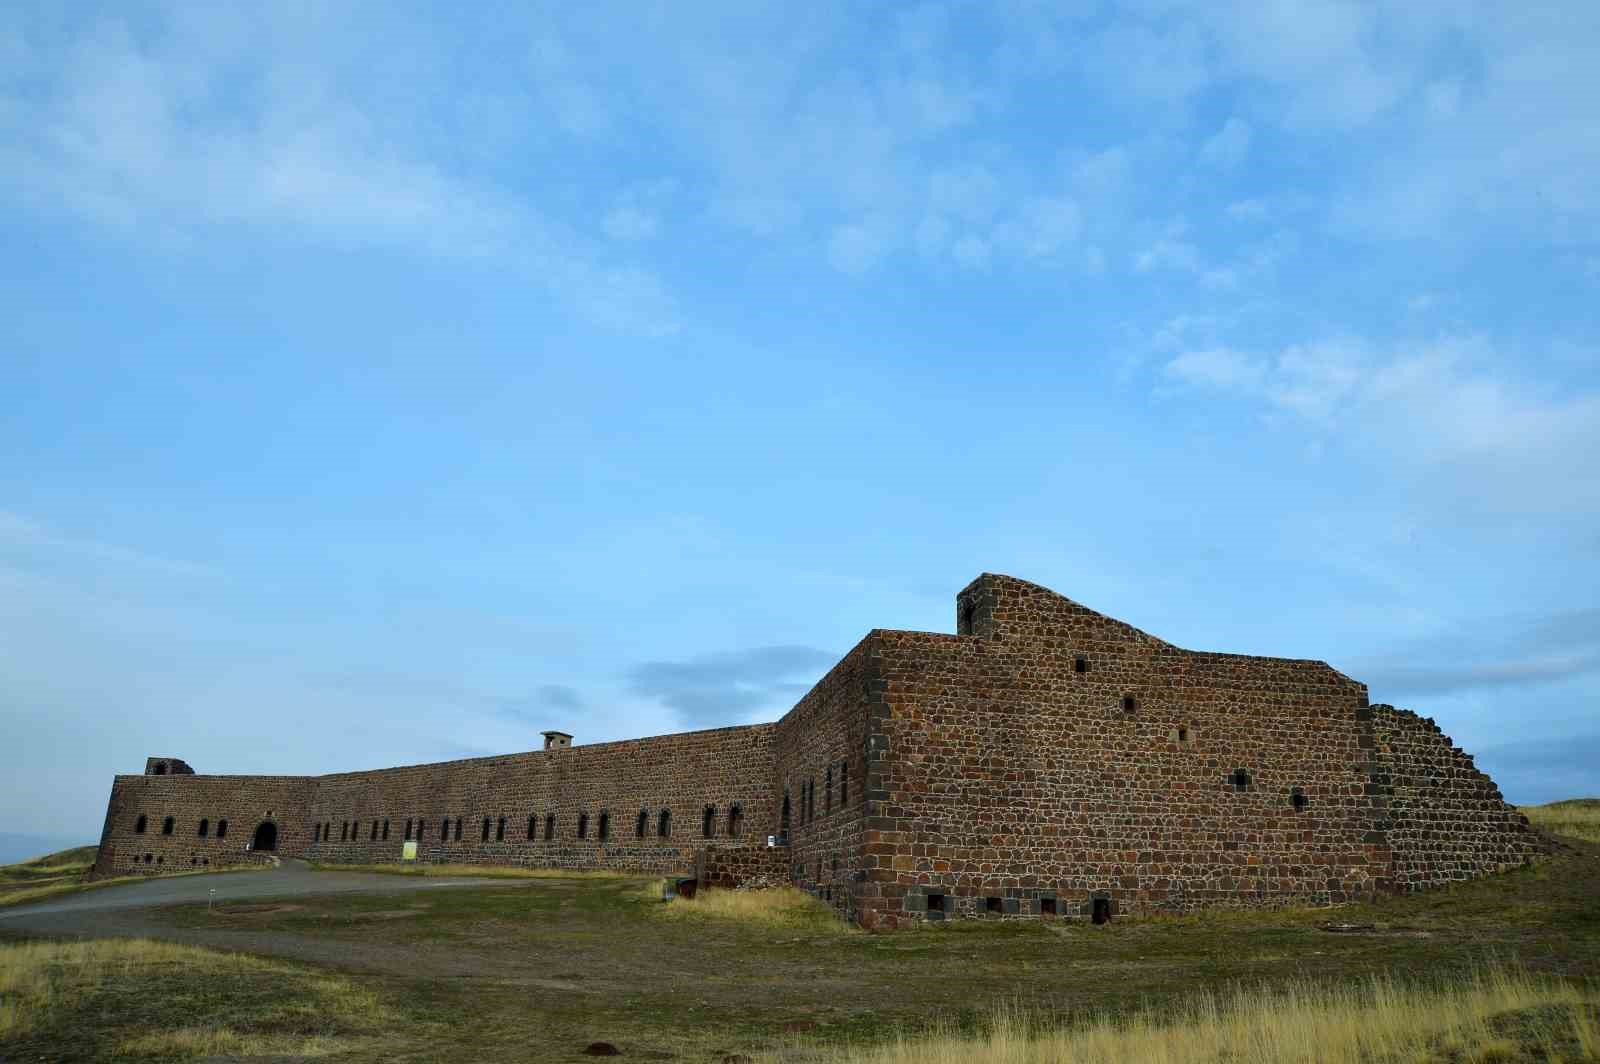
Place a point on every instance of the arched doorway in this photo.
(266, 836)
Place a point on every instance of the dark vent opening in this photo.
(1101, 911)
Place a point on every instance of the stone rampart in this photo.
(1044, 761)
(1445, 820)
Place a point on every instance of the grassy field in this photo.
(1576, 818)
(44, 877)
(67, 872)
(1498, 1014)
(538, 967)
(104, 1000)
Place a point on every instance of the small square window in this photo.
(936, 903)
(1047, 906)
(993, 905)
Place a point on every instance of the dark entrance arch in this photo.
(266, 836)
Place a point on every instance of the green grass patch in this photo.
(67, 872)
(781, 908)
(537, 967)
(1576, 818)
(135, 999)
(1494, 1014)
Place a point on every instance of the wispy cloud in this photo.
(148, 134)
(1517, 654)
(723, 688)
(1455, 406)
(1535, 771)
(17, 531)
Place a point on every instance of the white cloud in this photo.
(153, 136)
(1455, 413)
(857, 248)
(1228, 147)
(1168, 254)
(17, 531)
(631, 223)
(971, 252)
(637, 213)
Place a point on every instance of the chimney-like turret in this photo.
(557, 740)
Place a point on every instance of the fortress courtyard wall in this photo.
(156, 824)
(820, 754)
(1050, 758)
(1044, 760)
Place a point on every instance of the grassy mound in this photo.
(119, 999)
(1576, 818)
(780, 908)
(43, 877)
(1494, 1015)
(77, 857)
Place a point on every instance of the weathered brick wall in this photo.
(366, 813)
(999, 771)
(243, 802)
(681, 774)
(1446, 820)
(819, 750)
(1046, 758)
(733, 866)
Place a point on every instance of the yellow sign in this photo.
(409, 852)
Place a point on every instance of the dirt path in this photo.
(291, 878)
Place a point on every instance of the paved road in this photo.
(290, 878)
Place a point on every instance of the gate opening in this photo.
(266, 837)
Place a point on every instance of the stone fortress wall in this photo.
(1046, 760)
(575, 807)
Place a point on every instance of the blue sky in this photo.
(383, 384)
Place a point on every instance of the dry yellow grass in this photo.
(1578, 818)
(55, 990)
(1501, 1014)
(780, 907)
(23, 895)
(480, 871)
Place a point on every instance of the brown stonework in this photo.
(1046, 757)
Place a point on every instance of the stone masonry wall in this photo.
(365, 817)
(819, 757)
(1447, 821)
(683, 774)
(1007, 782)
(230, 809)
(1044, 760)
(734, 866)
